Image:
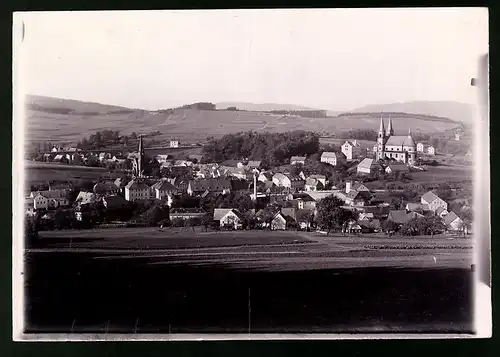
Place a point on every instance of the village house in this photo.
(136, 190)
(351, 150)
(453, 222)
(357, 198)
(367, 166)
(320, 178)
(352, 227)
(114, 202)
(313, 184)
(174, 143)
(265, 176)
(186, 213)
(393, 168)
(420, 147)
(294, 160)
(332, 158)
(357, 186)
(288, 181)
(228, 217)
(254, 164)
(417, 207)
(163, 189)
(162, 158)
(433, 201)
(441, 212)
(431, 151)
(40, 202)
(197, 187)
(281, 222)
(237, 172)
(401, 217)
(302, 201)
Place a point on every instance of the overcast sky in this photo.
(330, 59)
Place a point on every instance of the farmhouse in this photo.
(431, 151)
(332, 158)
(433, 201)
(304, 218)
(228, 217)
(420, 147)
(453, 222)
(351, 150)
(174, 143)
(288, 181)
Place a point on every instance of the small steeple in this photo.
(409, 131)
(390, 130)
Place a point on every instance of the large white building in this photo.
(399, 147)
(351, 150)
(137, 191)
(332, 158)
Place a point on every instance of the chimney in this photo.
(348, 185)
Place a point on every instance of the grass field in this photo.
(36, 172)
(443, 174)
(193, 125)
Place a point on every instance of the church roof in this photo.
(400, 140)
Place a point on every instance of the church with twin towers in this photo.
(398, 147)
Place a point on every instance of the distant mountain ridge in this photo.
(456, 111)
(67, 120)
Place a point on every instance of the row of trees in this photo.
(302, 113)
(273, 149)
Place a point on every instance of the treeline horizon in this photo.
(273, 149)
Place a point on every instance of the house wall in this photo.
(40, 202)
(230, 219)
(132, 195)
(278, 223)
(434, 205)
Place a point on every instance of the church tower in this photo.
(381, 139)
(390, 130)
(140, 159)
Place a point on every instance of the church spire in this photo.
(381, 130)
(390, 130)
(409, 131)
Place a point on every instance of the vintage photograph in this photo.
(247, 172)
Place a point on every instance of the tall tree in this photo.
(331, 215)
